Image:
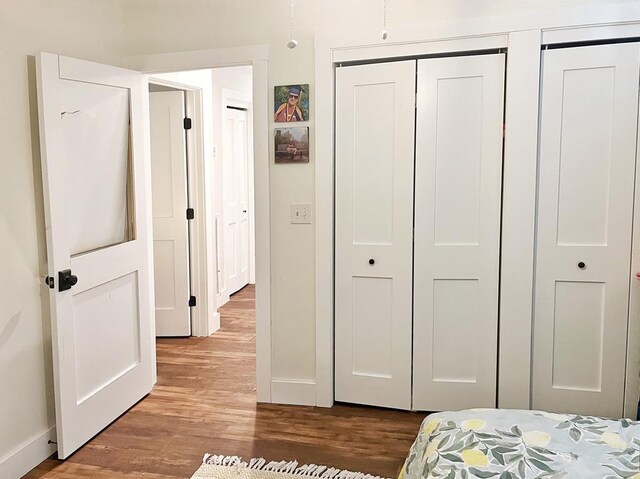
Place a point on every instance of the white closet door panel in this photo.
(374, 215)
(457, 231)
(585, 207)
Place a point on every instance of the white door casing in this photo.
(375, 107)
(458, 182)
(96, 180)
(170, 228)
(236, 199)
(587, 160)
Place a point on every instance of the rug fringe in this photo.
(290, 467)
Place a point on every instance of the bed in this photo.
(510, 444)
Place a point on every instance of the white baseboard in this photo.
(28, 455)
(291, 391)
(214, 323)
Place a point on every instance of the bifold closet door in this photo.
(375, 107)
(457, 231)
(585, 207)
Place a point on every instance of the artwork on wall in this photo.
(292, 145)
(291, 103)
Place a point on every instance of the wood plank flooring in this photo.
(205, 401)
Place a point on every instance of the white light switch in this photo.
(300, 213)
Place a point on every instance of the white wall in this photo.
(182, 25)
(90, 30)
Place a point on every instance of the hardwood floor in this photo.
(205, 401)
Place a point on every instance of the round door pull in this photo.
(638, 276)
(372, 261)
(581, 265)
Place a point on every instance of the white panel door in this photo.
(236, 200)
(585, 207)
(96, 176)
(375, 108)
(457, 231)
(170, 228)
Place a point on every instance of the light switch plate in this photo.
(300, 213)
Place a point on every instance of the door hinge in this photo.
(192, 301)
(187, 123)
(190, 213)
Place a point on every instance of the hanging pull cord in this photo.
(292, 43)
(384, 20)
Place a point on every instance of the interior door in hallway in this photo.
(375, 109)
(170, 227)
(236, 199)
(457, 231)
(587, 161)
(96, 179)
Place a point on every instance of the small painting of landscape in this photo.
(292, 145)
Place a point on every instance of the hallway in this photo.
(204, 401)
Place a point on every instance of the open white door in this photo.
(236, 200)
(96, 184)
(170, 229)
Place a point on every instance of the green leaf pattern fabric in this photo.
(511, 444)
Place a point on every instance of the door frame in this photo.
(524, 36)
(202, 323)
(258, 57)
(239, 99)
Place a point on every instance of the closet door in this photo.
(457, 231)
(373, 226)
(585, 206)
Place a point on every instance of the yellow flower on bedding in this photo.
(474, 457)
(613, 439)
(635, 476)
(536, 438)
(431, 426)
(473, 424)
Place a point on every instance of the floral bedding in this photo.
(508, 444)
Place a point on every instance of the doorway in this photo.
(202, 180)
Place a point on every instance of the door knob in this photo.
(372, 261)
(66, 280)
(581, 265)
(638, 276)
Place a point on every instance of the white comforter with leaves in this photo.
(508, 444)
